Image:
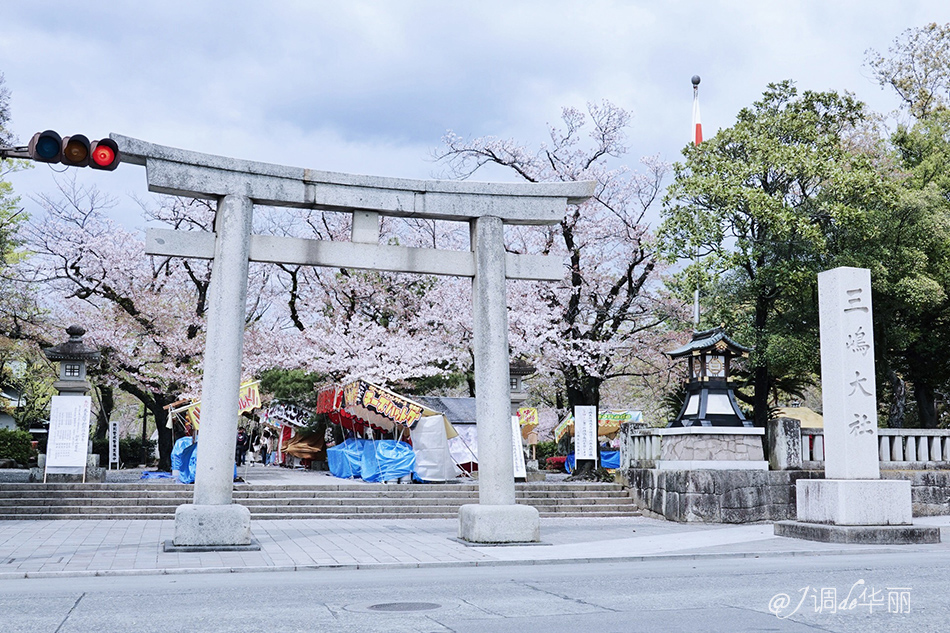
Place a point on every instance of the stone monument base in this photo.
(854, 501)
(865, 511)
(858, 534)
(212, 525)
(499, 524)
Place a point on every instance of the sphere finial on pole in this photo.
(695, 80)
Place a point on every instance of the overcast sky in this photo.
(371, 87)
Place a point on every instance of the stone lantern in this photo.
(73, 357)
(518, 370)
(710, 397)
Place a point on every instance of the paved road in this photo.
(665, 596)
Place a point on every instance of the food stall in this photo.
(388, 437)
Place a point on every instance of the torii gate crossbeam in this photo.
(237, 185)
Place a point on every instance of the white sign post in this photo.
(114, 444)
(585, 434)
(517, 452)
(68, 435)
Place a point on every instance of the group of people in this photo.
(262, 443)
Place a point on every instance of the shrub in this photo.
(555, 463)
(543, 450)
(130, 450)
(16, 445)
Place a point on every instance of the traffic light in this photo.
(74, 151)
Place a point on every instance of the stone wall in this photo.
(746, 496)
(929, 490)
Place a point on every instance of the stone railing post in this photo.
(784, 444)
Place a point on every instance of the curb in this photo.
(173, 571)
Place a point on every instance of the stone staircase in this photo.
(151, 500)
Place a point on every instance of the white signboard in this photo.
(517, 449)
(585, 433)
(113, 443)
(68, 435)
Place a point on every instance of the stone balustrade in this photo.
(687, 448)
(898, 449)
(697, 474)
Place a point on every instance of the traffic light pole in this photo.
(15, 152)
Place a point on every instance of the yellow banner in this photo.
(249, 398)
(528, 416)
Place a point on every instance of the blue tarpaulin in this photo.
(608, 459)
(388, 460)
(345, 460)
(180, 445)
(188, 464)
(380, 460)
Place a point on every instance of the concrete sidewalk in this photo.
(38, 549)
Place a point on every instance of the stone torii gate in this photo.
(237, 185)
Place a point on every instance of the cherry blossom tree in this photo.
(394, 329)
(146, 315)
(608, 319)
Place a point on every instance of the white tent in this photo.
(431, 445)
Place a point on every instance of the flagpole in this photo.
(697, 139)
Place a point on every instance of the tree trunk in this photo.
(926, 405)
(760, 376)
(583, 390)
(106, 405)
(895, 415)
(165, 439)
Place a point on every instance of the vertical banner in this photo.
(68, 435)
(113, 443)
(585, 433)
(517, 449)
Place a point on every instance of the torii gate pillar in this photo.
(496, 518)
(213, 520)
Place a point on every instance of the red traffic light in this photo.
(74, 151)
(104, 154)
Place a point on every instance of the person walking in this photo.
(262, 448)
(241, 446)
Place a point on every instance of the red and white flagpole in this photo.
(697, 139)
(697, 124)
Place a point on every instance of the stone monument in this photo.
(852, 504)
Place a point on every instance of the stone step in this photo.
(169, 507)
(161, 485)
(274, 516)
(293, 501)
(148, 500)
(286, 509)
(409, 497)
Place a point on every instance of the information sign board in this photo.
(68, 435)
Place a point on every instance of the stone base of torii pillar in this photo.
(852, 504)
